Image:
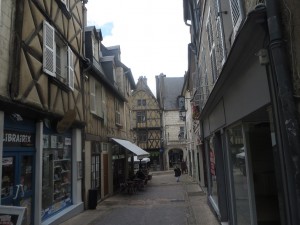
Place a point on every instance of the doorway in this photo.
(17, 182)
(175, 157)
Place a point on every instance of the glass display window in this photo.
(239, 174)
(57, 174)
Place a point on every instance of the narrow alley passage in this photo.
(163, 201)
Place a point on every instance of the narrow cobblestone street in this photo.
(163, 201)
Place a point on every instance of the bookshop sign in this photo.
(18, 139)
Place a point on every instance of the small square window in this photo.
(141, 102)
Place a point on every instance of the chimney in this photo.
(145, 80)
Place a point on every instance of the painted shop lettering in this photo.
(23, 138)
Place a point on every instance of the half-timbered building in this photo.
(42, 116)
(146, 122)
(108, 86)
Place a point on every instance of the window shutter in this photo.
(49, 63)
(99, 99)
(211, 45)
(236, 15)
(70, 69)
(220, 46)
(92, 96)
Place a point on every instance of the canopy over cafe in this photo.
(122, 150)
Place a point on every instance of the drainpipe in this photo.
(288, 126)
(83, 80)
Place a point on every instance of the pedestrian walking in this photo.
(177, 173)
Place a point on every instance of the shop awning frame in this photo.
(140, 153)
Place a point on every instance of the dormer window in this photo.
(57, 57)
(95, 44)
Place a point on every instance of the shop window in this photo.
(239, 174)
(57, 57)
(56, 184)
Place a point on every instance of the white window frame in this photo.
(50, 39)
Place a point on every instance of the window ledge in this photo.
(60, 84)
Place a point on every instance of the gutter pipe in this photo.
(286, 115)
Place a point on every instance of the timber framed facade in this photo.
(146, 122)
(44, 102)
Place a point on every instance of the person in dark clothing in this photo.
(177, 173)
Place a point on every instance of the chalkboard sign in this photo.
(11, 215)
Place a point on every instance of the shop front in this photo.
(40, 171)
(18, 165)
(240, 143)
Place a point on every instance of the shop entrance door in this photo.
(17, 182)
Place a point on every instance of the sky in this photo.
(151, 33)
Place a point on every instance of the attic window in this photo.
(141, 102)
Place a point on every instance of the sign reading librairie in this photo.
(11, 215)
(18, 139)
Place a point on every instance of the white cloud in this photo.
(151, 33)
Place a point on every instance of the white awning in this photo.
(140, 153)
